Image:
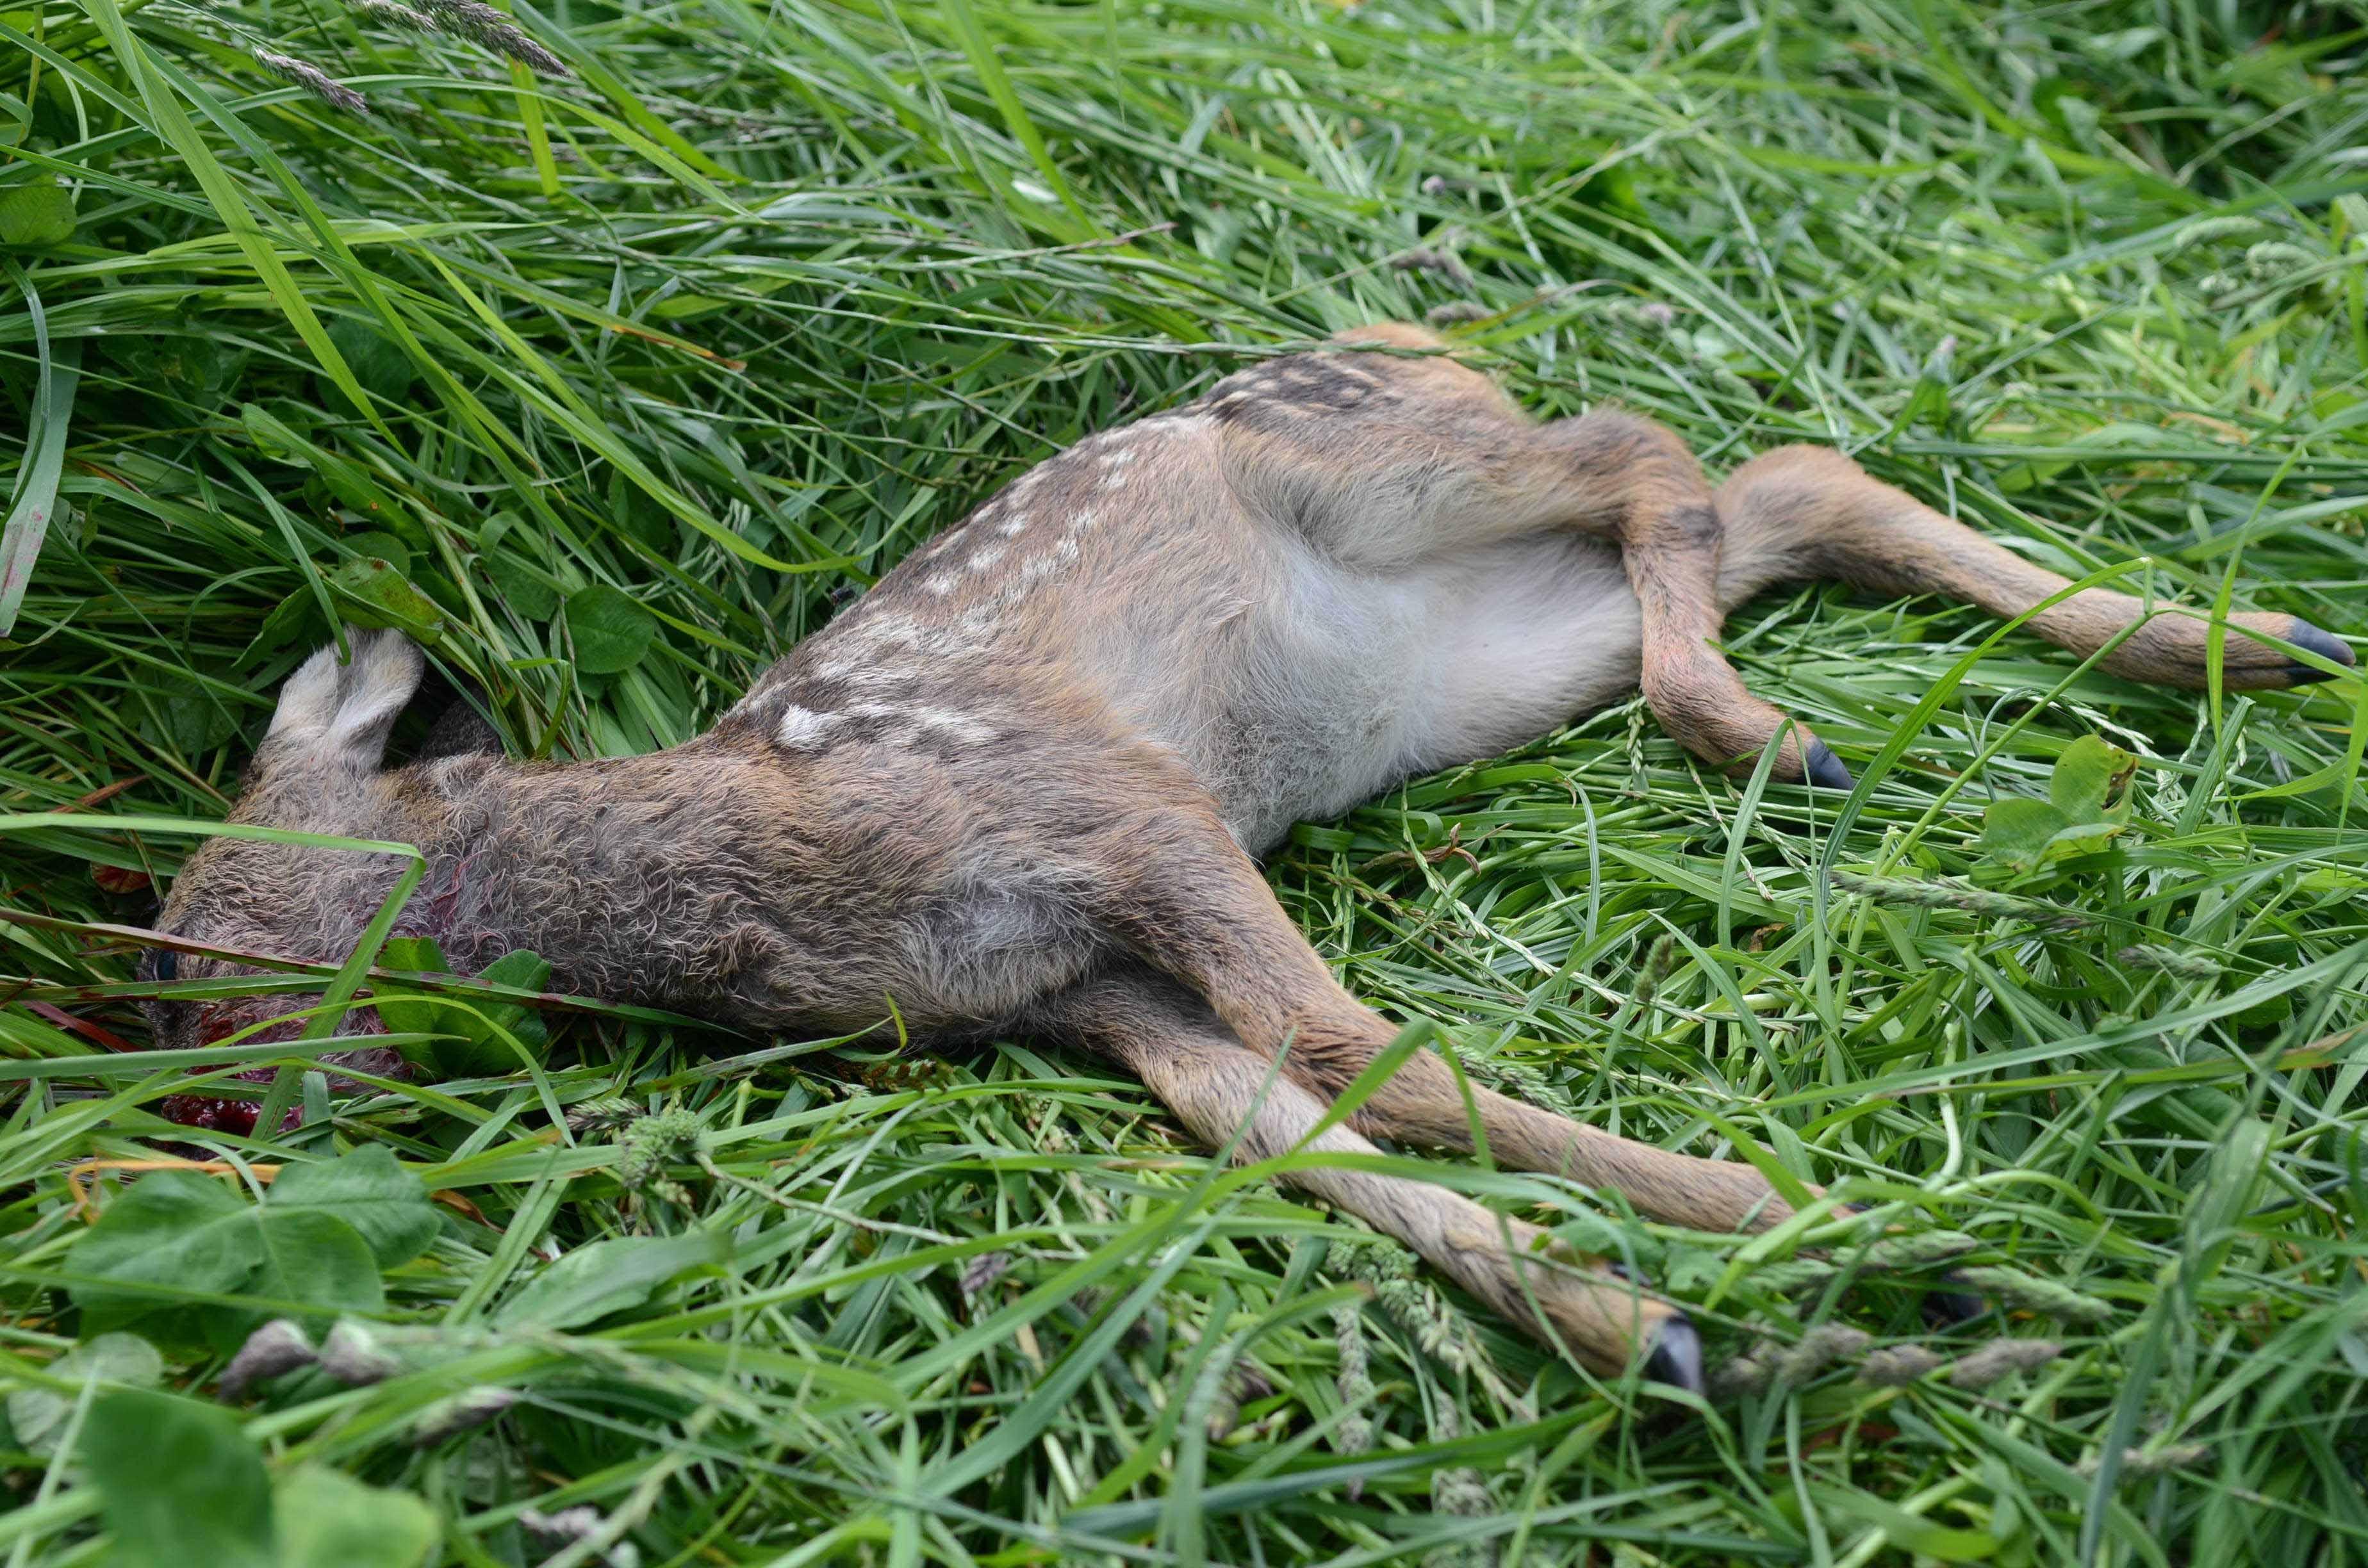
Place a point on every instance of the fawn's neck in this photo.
(652, 879)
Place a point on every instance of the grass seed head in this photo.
(312, 79)
(482, 25)
(279, 1346)
(2000, 1358)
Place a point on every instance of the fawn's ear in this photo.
(338, 713)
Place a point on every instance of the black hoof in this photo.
(1676, 1358)
(1947, 1309)
(1827, 772)
(2326, 646)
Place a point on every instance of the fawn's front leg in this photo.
(1221, 1090)
(1199, 910)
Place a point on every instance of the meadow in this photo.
(609, 349)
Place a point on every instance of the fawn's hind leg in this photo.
(1445, 467)
(1613, 475)
(1219, 1090)
(1197, 908)
(1809, 512)
(1430, 464)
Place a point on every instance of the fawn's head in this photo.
(317, 771)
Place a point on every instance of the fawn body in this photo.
(1019, 787)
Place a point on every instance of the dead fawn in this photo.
(1020, 787)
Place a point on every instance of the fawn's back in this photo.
(1178, 582)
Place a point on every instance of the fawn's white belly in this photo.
(1338, 682)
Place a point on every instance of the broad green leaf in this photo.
(420, 955)
(372, 593)
(378, 363)
(36, 215)
(518, 968)
(487, 1029)
(2090, 777)
(607, 1276)
(185, 1233)
(2017, 829)
(478, 1038)
(39, 1415)
(526, 593)
(172, 1229)
(295, 619)
(189, 717)
(405, 1011)
(610, 631)
(180, 1483)
(386, 547)
(370, 1191)
(330, 1520)
(305, 1255)
(2264, 1014)
(2082, 835)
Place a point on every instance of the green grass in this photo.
(765, 295)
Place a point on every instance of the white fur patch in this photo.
(1056, 560)
(863, 676)
(898, 630)
(955, 726)
(1014, 527)
(911, 725)
(802, 728)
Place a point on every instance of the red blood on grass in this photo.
(214, 1113)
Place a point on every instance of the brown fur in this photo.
(1019, 786)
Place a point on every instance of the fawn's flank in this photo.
(1019, 787)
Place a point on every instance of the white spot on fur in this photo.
(861, 675)
(911, 725)
(1013, 528)
(901, 631)
(940, 587)
(879, 651)
(956, 726)
(986, 559)
(1060, 557)
(802, 728)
